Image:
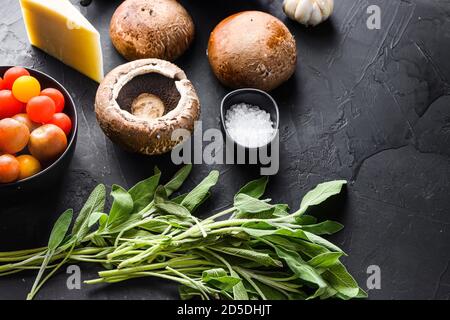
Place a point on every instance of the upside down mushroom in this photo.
(141, 103)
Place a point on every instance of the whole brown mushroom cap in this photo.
(160, 29)
(252, 49)
(139, 134)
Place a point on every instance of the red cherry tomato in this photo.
(14, 136)
(40, 109)
(9, 106)
(12, 74)
(2, 84)
(25, 119)
(56, 96)
(9, 168)
(47, 143)
(63, 121)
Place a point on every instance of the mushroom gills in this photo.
(147, 106)
(149, 96)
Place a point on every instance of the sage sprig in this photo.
(254, 249)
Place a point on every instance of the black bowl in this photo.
(254, 97)
(52, 173)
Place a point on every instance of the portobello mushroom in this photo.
(160, 29)
(139, 104)
(252, 49)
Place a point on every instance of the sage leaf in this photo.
(361, 294)
(285, 242)
(281, 210)
(206, 197)
(95, 202)
(328, 293)
(173, 209)
(219, 279)
(247, 204)
(160, 195)
(263, 229)
(179, 199)
(178, 179)
(253, 255)
(142, 193)
(59, 230)
(95, 217)
(269, 292)
(155, 226)
(102, 221)
(213, 273)
(309, 249)
(255, 188)
(321, 241)
(326, 227)
(298, 245)
(239, 291)
(321, 193)
(305, 220)
(303, 270)
(197, 195)
(325, 260)
(121, 207)
(339, 278)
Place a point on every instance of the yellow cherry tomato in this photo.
(25, 88)
(28, 166)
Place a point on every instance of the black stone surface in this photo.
(370, 106)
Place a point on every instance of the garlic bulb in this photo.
(308, 12)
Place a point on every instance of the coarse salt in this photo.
(249, 126)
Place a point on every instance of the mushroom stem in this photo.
(148, 106)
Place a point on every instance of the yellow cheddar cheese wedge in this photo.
(59, 29)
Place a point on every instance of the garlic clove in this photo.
(326, 7)
(303, 11)
(289, 7)
(316, 15)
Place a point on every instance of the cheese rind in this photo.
(59, 29)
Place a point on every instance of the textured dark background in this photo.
(370, 106)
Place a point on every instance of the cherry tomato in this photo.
(13, 135)
(63, 121)
(56, 96)
(40, 109)
(9, 106)
(9, 168)
(47, 142)
(25, 88)
(2, 84)
(25, 119)
(12, 74)
(28, 166)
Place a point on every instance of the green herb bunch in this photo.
(252, 250)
